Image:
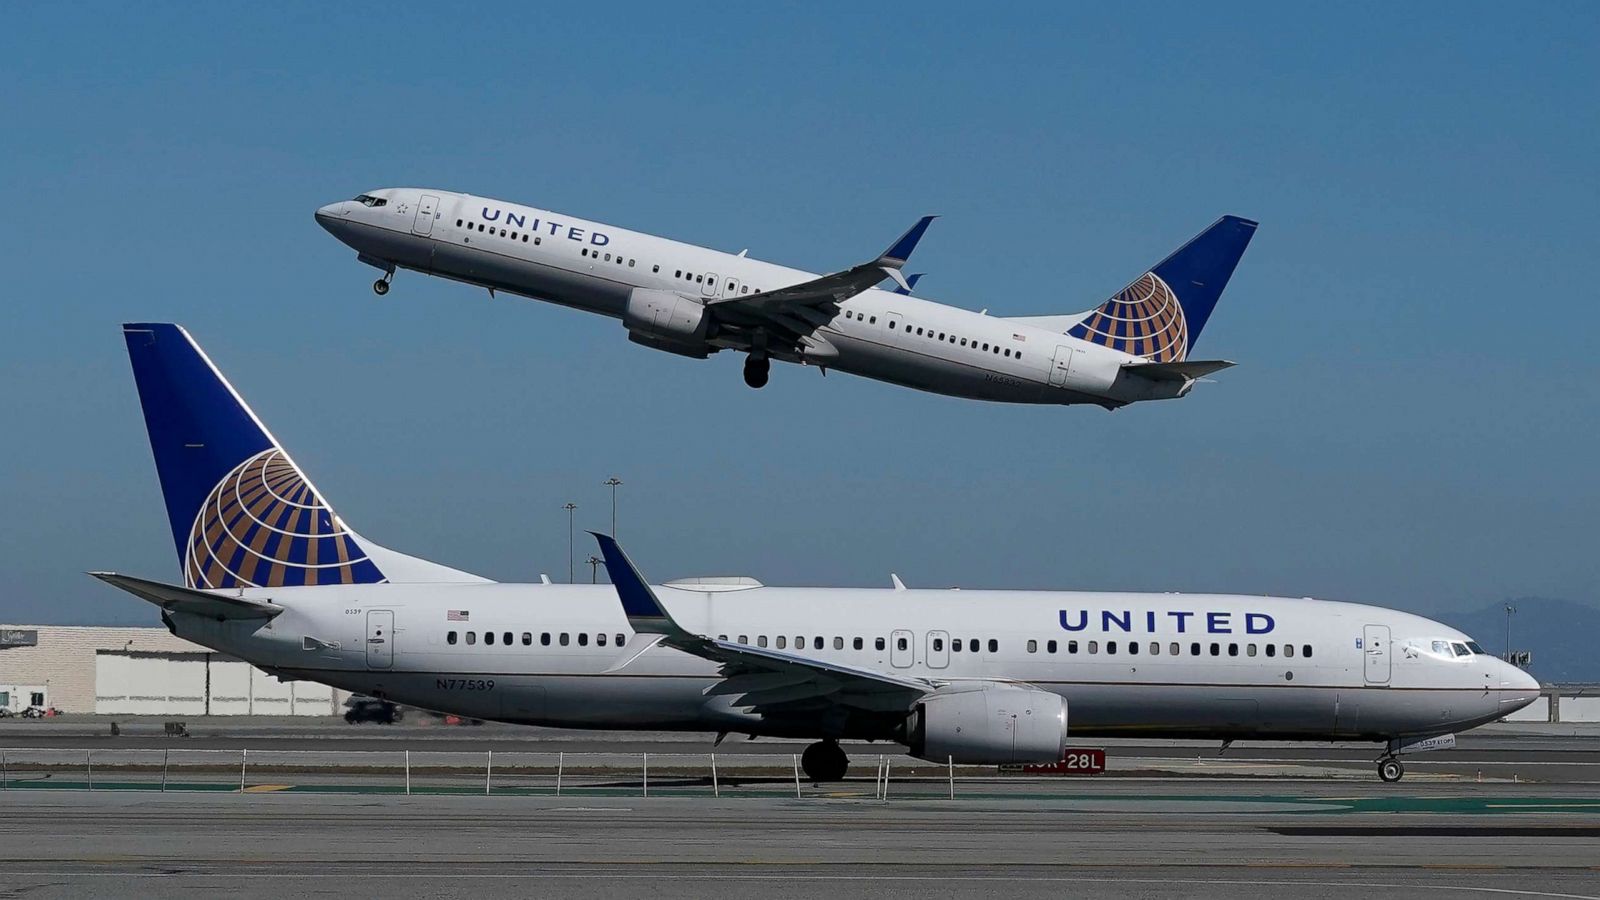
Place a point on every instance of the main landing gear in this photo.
(824, 761)
(381, 286)
(756, 371)
(1390, 770)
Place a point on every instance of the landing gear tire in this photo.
(1390, 770)
(824, 761)
(381, 286)
(756, 371)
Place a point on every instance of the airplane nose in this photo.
(328, 215)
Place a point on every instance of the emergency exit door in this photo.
(901, 652)
(380, 638)
(1060, 367)
(425, 212)
(1375, 648)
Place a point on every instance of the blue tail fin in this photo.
(1161, 313)
(242, 513)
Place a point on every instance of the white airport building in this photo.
(142, 672)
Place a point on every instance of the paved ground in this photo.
(1506, 752)
(1115, 839)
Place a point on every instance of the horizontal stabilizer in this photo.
(1188, 370)
(188, 600)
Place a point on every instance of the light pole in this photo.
(612, 483)
(570, 507)
(1509, 610)
(594, 569)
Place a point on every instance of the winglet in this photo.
(645, 612)
(900, 251)
(910, 283)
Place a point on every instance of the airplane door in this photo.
(425, 211)
(938, 649)
(900, 652)
(1375, 647)
(709, 289)
(380, 638)
(1061, 366)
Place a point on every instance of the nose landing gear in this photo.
(825, 761)
(381, 286)
(756, 371)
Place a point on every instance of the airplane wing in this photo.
(189, 600)
(765, 681)
(835, 288)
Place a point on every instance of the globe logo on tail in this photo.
(1143, 319)
(263, 525)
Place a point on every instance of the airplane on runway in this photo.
(272, 575)
(694, 301)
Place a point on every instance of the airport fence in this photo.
(489, 772)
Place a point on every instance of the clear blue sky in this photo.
(1413, 421)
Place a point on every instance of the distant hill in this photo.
(1562, 635)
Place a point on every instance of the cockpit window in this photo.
(1441, 647)
(1473, 646)
(369, 200)
(1461, 649)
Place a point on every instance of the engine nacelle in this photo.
(990, 726)
(667, 321)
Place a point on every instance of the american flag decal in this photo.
(1019, 337)
(456, 615)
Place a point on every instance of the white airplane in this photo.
(694, 301)
(273, 576)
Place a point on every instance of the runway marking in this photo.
(794, 876)
(267, 788)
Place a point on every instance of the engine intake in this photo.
(990, 726)
(667, 321)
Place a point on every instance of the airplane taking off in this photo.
(695, 301)
(273, 576)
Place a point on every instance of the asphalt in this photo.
(1113, 838)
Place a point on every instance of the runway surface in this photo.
(1113, 839)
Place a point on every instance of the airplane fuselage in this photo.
(1161, 665)
(597, 268)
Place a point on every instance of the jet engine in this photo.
(989, 726)
(668, 321)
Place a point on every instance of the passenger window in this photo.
(816, 643)
(524, 239)
(583, 639)
(956, 645)
(527, 639)
(891, 324)
(1216, 649)
(1094, 647)
(600, 639)
(1175, 649)
(973, 645)
(963, 342)
(1072, 646)
(450, 637)
(699, 279)
(1049, 646)
(502, 232)
(1155, 648)
(506, 639)
(1111, 648)
(458, 223)
(544, 639)
(838, 643)
(1008, 353)
(1233, 649)
(655, 268)
(745, 289)
(744, 638)
(480, 226)
(878, 643)
(488, 638)
(1133, 648)
(1288, 651)
(938, 644)
(1250, 650)
(902, 644)
(1194, 649)
(1306, 651)
(919, 331)
(472, 638)
(1272, 649)
(1033, 646)
(621, 639)
(608, 257)
(783, 642)
(761, 640)
(678, 274)
(565, 639)
(537, 239)
(856, 643)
